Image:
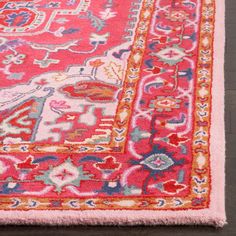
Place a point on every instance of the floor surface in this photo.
(230, 229)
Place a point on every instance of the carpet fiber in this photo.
(112, 112)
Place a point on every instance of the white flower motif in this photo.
(9, 140)
(15, 59)
(99, 38)
(107, 14)
(64, 174)
(2, 41)
(3, 168)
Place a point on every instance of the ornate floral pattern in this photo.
(99, 116)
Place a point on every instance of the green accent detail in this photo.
(128, 190)
(101, 140)
(45, 177)
(170, 61)
(137, 134)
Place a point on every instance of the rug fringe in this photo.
(108, 218)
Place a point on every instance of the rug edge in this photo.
(217, 148)
(107, 218)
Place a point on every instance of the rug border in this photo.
(214, 215)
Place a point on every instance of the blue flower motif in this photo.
(157, 162)
(18, 19)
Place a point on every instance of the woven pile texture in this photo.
(111, 112)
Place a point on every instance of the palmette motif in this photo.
(99, 113)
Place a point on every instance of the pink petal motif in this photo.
(59, 104)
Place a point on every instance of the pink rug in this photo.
(112, 112)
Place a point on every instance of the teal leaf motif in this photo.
(96, 22)
(158, 162)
